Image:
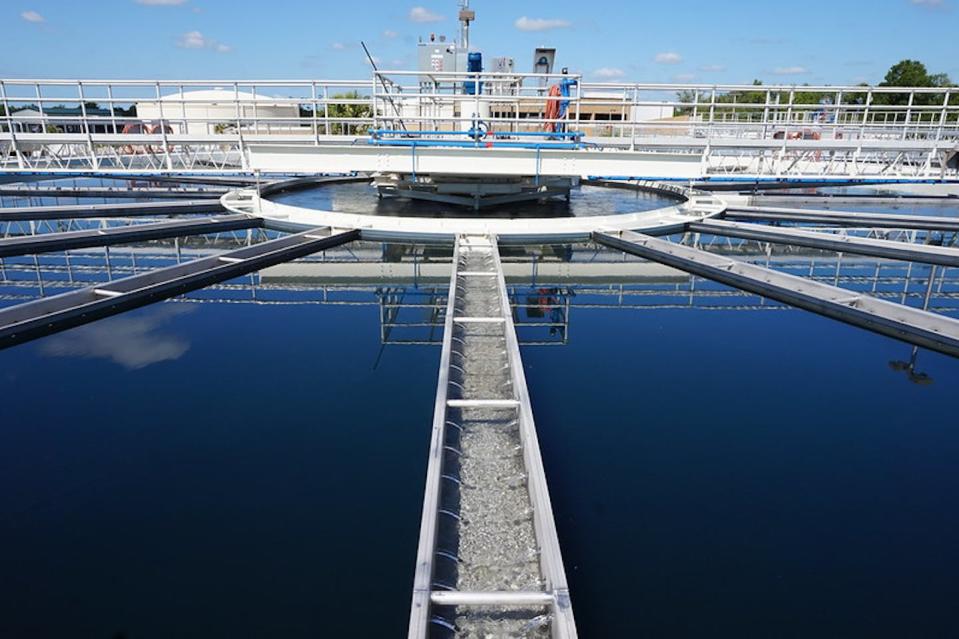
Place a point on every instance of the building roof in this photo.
(214, 96)
(62, 111)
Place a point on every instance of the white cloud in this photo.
(422, 14)
(389, 33)
(540, 24)
(196, 40)
(712, 68)
(684, 77)
(609, 72)
(192, 40)
(795, 70)
(32, 16)
(339, 46)
(161, 3)
(132, 341)
(933, 4)
(668, 57)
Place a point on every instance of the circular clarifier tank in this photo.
(361, 198)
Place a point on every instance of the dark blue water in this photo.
(362, 198)
(212, 471)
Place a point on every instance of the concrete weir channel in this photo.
(488, 562)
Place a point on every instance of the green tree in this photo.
(352, 111)
(912, 73)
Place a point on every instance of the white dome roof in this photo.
(218, 95)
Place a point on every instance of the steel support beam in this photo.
(86, 211)
(921, 328)
(49, 242)
(108, 192)
(49, 315)
(843, 218)
(924, 253)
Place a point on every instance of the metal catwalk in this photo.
(488, 562)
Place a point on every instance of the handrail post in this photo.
(163, 135)
(94, 164)
(942, 116)
(9, 118)
(316, 127)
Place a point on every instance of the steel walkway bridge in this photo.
(413, 124)
(488, 562)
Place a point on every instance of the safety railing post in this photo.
(239, 125)
(865, 114)
(316, 127)
(85, 124)
(113, 110)
(163, 125)
(942, 116)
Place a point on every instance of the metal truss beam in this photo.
(844, 218)
(49, 315)
(918, 327)
(829, 242)
(85, 211)
(48, 242)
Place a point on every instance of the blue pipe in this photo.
(475, 145)
(541, 134)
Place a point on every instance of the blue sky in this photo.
(814, 41)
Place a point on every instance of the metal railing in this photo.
(170, 111)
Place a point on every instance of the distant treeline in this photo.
(907, 73)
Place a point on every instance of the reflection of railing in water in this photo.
(412, 312)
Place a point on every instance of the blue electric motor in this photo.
(474, 64)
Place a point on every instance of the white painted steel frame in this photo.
(858, 135)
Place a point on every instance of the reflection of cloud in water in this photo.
(129, 341)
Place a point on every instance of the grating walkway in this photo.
(488, 562)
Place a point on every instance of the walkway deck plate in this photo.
(86, 211)
(47, 242)
(922, 328)
(48, 315)
(923, 253)
(843, 218)
(108, 192)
